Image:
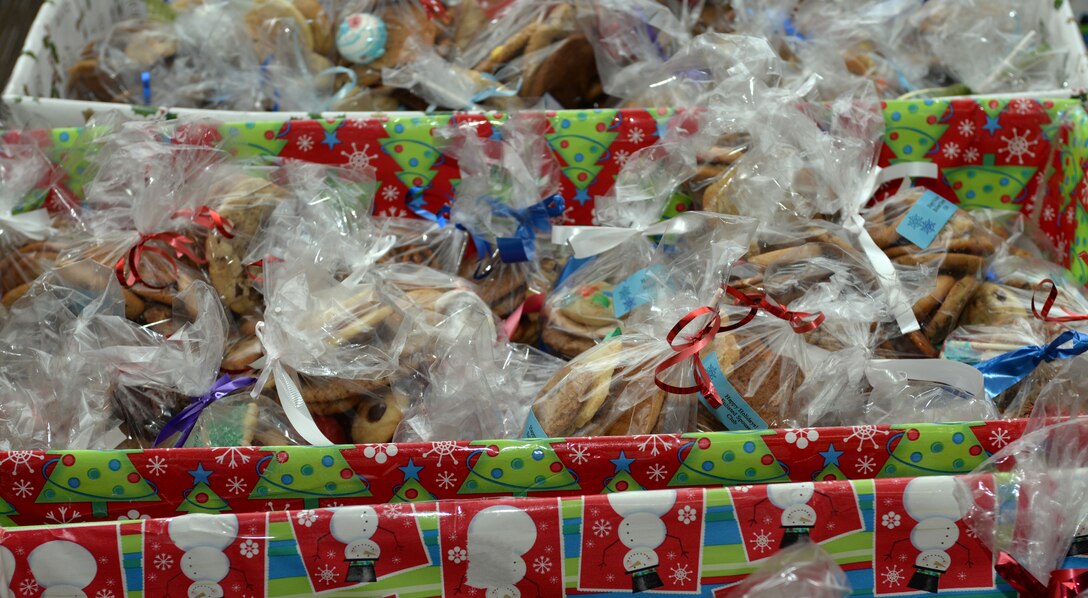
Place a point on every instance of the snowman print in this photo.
(355, 527)
(7, 570)
(932, 504)
(497, 538)
(61, 568)
(798, 516)
(641, 531)
(203, 538)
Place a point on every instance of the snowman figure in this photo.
(932, 503)
(62, 568)
(355, 527)
(204, 537)
(641, 532)
(497, 538)
(798, 516)
(7, 570)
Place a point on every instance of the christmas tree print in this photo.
(411, 490)
(70, 478)
(310, 473)
(912, 128)
(516, 467)
(580, 140)
(6, 511)
(931, 449)
(741, 459)
(622, 480)
(831, 469)
(201, 498)
(988, 186)
(265, 138)
(411, 145)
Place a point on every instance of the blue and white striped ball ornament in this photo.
(361, 38)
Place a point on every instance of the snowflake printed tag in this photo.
(735, 413)
(635, 291)
(925, 219)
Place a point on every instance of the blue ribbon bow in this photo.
(1003, 371)
(184, 422)
(537, 217)
(413, 200)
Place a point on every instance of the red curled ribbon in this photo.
(127, 267)
(1063, 583)
(1044, 313)
(209, 219)
(799, 321)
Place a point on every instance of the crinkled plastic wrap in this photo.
(804, 569)
(424, 243)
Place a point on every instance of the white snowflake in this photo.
(763, 541)
(951, 150)
(331, 554)
(553, 580)
(544, 526)
(443, 448)
(802, 437)
(1049, 213)
(1017, 146)
(236, 485)
(890, 520)
(621, 157)
(865, 465)
(766, 520)
(830, 525)
(446, 480)
(457, 555)
(234, 456)
(680, 574)
(589, 544)
(389, 192)
(966, 128)
(610, 577)
(892, 575)
(395, 560)
(326, 574)
(394, 212)
(163, 561)
(548, 549)
(999, 437)
(1021, 105)
(670, 555)
(249, 549)
(656, 472)
(63, 515)
(380, 452)
(902, 558)
(602, 528)
(1063, 246)
(971, 154)
(20, 459)
(594, 511)
(28, 586)
(579, 453)
(156, 466)
(686, 515)
(888, 502)
(656, 442)
(636, 135)
(22, 488)
(962, 576)
(237, 587)
(306, 518)
(866, 433)
(358, 159)
(305, 143)
(104, 594)
(542, 565)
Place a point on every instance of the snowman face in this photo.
(204, 563)
(200, 529)
(503, 592)
(204, 589)
(938, 560)
(642, 530)
(362, 550)
(639, 559)
(503, 526)
(656, 503)
(786, 495)
(353, 523)
(799, 516)
(936, 533)
(933, 496)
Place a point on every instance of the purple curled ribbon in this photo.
(184, 422)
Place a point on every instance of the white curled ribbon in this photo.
(34, 225)
(882, 264)
(588, 241)
(294, 405)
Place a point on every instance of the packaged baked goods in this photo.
(435, 244)
(804, 569)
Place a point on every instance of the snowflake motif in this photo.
(395, 560)
(104, 594)
(594, 512)
(579, 454)
(236, 485)
(686, 515)
(680, 574)
(763, 541)
(446, 480)
(971, 533)
(133, 515)
(962, 576)
(236, 587)
(999, 437)
(971, 154)
(865, 465)
(152, 577)
(951, 151)
(394, 212)
(63, 515)
(542, 565)
(20, 459)
(830, 525)
(28, 586)
(156, 466)
(380, 452)
(656, 472)
(553, 580)
(326, 574)
(22, 488)
(457, 555)
(610, 578)
(103, 560)
(1049, 213)
(249, 549)
(589, 544)
(306, 518)
(802, 437)
(305, 143)
(548, 549)
(766, 520)
(602, 528)
(451, 537)
(163, 561)
(656, 443)
(966, 128)
(888, 502)
(902, 558)
(670, 555)
(636, 135)
(1021, 105)
(1069, 215)
(389, 192)
(1063, 246)
(408, 522)
(443, 448)
(892, 575)
(621, 157)
(890, 520)
(866, 433)
(331, 554)
(233, 456)
(1017, 146)
(358, 159)
(544, 527)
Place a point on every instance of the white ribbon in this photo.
(885, 269)
(588, 241)
(294, 405)
(34, 225)
(943, 371)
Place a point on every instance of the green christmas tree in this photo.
(6, 511)
(411, 145)
(621, 482)
(310, 473)
(988, 186)
(97, 478)
(411, 490)
(201, 498)
(517, 467)
(1074, 151)
(263, 138)
(1080, 245)
(739, 458)
(912, 128)
(582, 140)
(933, 449)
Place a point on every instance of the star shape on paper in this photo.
(330, 139)
(200, 474)
(622, 463)
(991, 125)
(411, 470)
(831, 455)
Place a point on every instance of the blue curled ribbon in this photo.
(537, 217)
(413, 200)
(1001, 372)
(184, 422)
(496, 90)
(145, 79)
(264, 81)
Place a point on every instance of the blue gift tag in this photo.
(925, 219)
(735, 413)
(533, 429)
(635, 291)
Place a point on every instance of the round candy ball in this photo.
(361, 38)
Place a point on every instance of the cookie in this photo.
(405, 26)
(327, 396)
(568, 74)
(589, 305)
(504, 288)
(996, 305)
(566, 338)
(928, 304)
(954, 264)
(377, 417)
(267, 17)
(944, 320)
(574, 394)
(357, 320)
(241, 355)
(766, 380)
(160, 318)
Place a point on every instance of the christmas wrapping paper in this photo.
(64, 487)
(892, 537)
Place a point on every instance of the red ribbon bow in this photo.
(799, 322)
(1048, 304)
(127, 267)
(1064, 583)
(209, 219)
